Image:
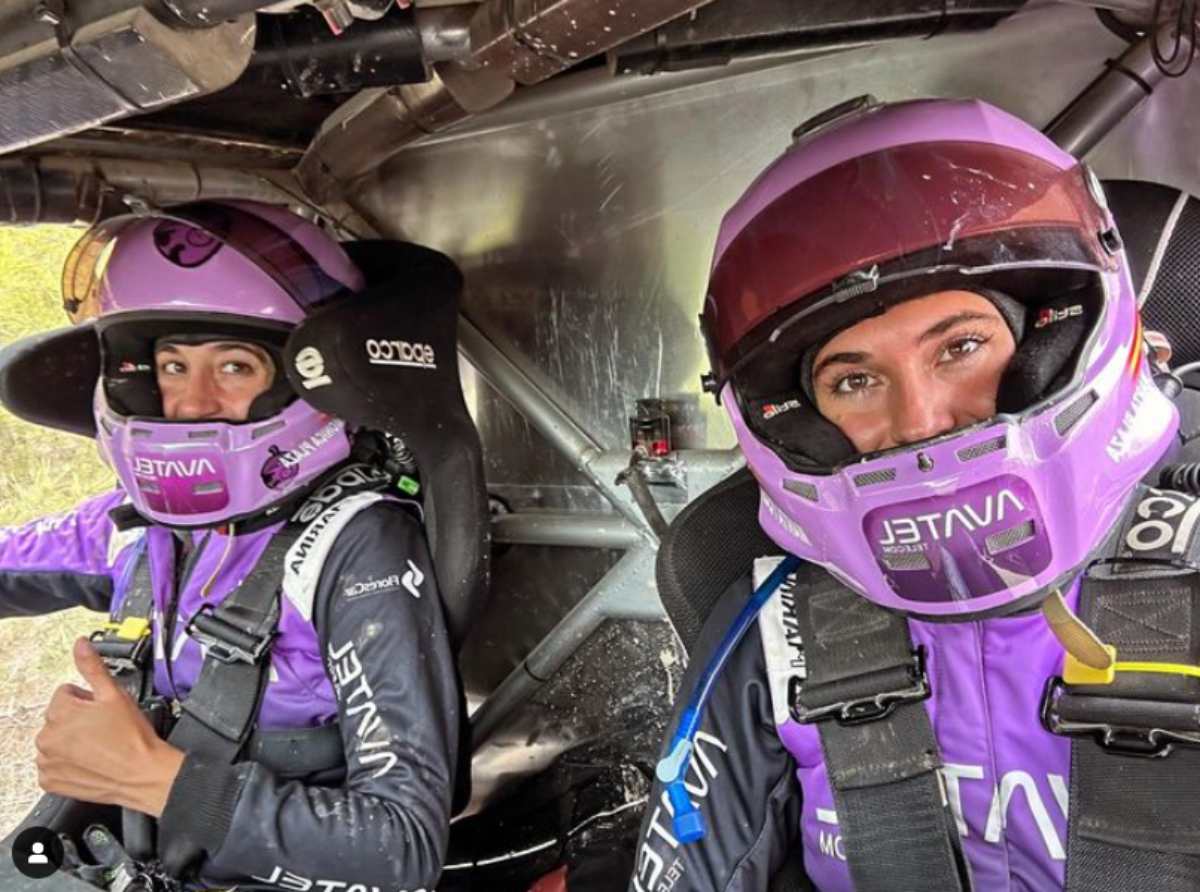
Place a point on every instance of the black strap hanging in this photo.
(864, 690)
(220, 711)
(1135, 760)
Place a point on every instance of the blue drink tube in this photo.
(672, 768)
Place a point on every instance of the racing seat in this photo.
(713, 541)
(391, 364)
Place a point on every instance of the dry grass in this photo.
(42, 472)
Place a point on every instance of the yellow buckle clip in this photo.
(1076, 672)
(132, 628)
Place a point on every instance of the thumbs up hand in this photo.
(97, 746)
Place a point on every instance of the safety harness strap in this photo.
(124, 644)
(1135, 760)
(219, 712)
(864, 690)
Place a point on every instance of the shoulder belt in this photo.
(1135, 757)
(851, 669)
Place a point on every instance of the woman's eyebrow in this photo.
(836, 358)
(949, 322)
(239, 345)
(938, 328)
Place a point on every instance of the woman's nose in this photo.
(920, 410)
(199, 398)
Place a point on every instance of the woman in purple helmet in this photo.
(922, 325)
(274, 703)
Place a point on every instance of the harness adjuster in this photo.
(869, 708)
(123, 646)
(1135, 739)
(224, 641)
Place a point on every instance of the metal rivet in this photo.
(924, 462)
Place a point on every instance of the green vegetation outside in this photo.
(41, 472)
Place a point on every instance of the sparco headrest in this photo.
(387, 358)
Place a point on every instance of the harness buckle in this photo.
(1136, 739)
(224, 641)
(123, 646)
(872, 707)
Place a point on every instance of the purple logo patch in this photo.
(185, 245)
(972, 543)
(275, 471)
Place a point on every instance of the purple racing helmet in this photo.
(876, 204)
(199, 272)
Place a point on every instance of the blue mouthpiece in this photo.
(688, 822)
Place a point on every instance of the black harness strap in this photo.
(125, 645)
(1135, 763)
(220, 711)
(125, 642)
(864, 687)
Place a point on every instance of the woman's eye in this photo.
(852, 383)
(962, 347)
(171, 367)
(234, 367)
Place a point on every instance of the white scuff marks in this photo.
(983, 174)
(955, 229)
(658, 370)
(611, 195)
(667, 658)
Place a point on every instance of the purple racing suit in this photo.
(760, 781)
(361, 642)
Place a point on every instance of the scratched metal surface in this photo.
(584, 217)
(585, 222)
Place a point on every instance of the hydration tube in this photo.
(672, 768)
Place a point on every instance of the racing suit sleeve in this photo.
(67, 560)
(740, 777)
(388, 656)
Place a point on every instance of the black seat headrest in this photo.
(386, 358)
(707, 547)
(1160, 226)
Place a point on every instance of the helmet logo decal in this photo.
(283, 466)
(788, 525)
(311, 366)
(1125, 440)
(969, 544)
(185, 245)
(275, 471)
(185, 484)
(391, 352)
(770, 410)
(940, 524)
(1049, 315)
(159, 467)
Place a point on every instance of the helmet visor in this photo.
(188, 235)
(902, 214)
